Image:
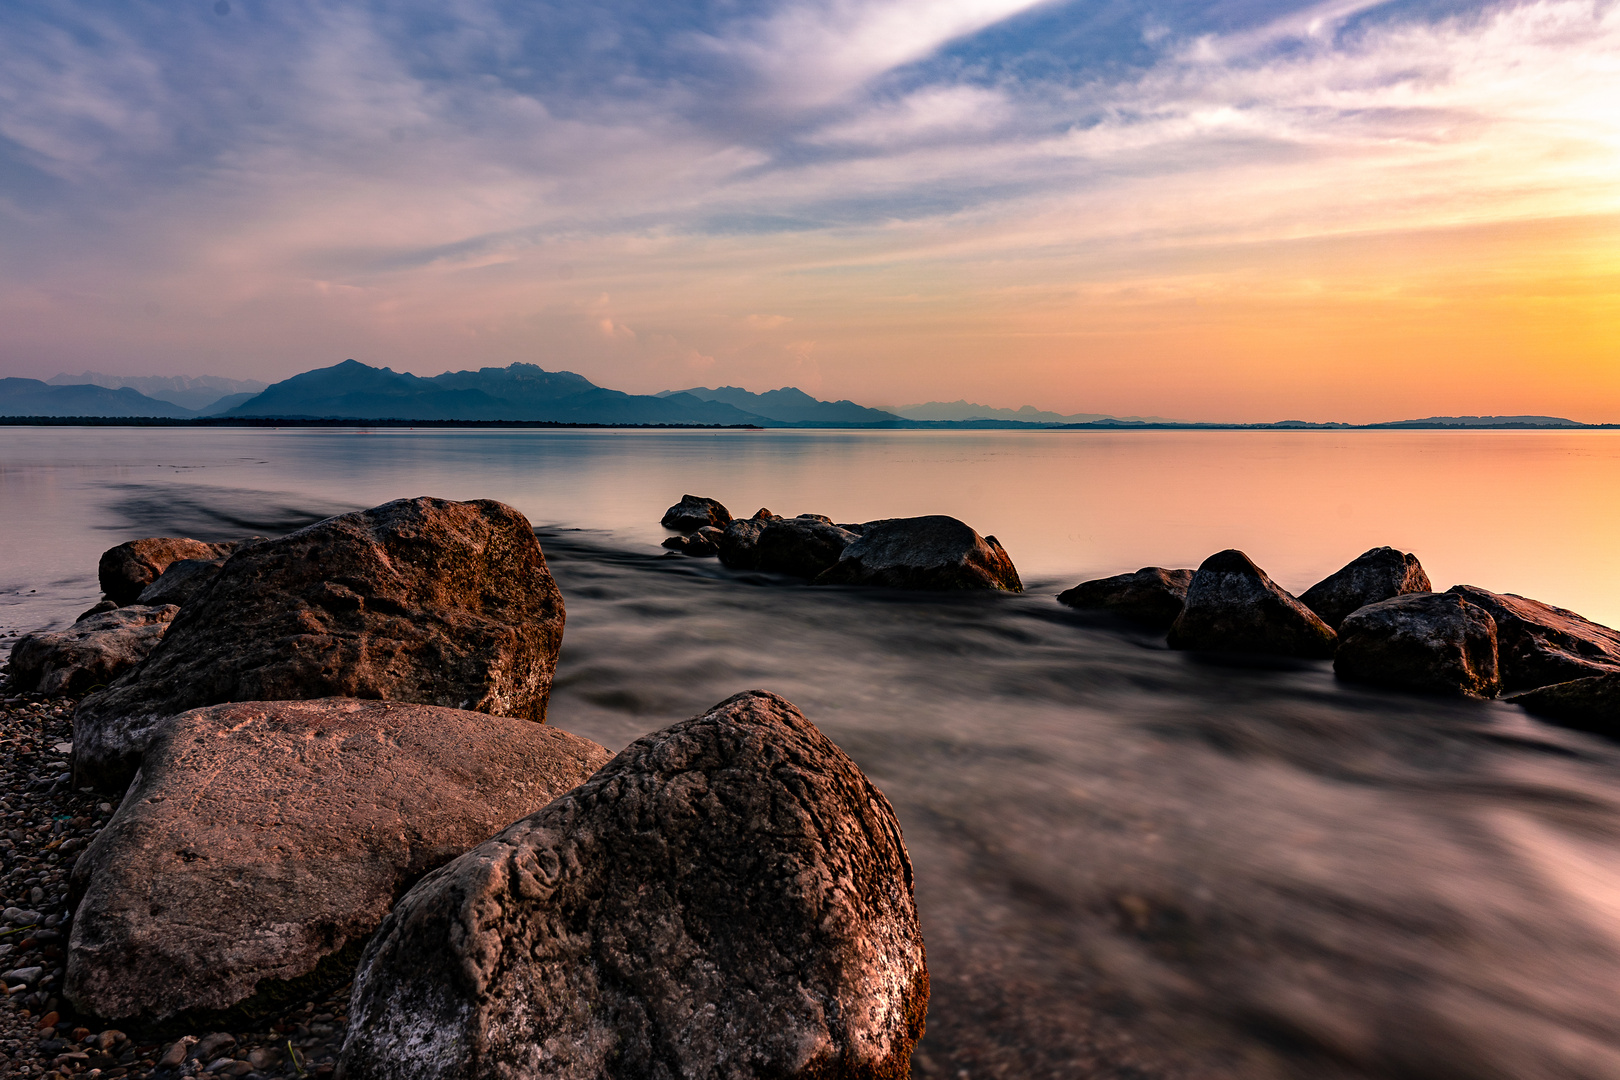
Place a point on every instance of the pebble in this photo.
(44, 825)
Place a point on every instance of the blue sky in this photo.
(888, 201)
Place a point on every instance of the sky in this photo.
(1234, 210)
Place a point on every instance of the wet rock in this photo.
(105, 605)
(1539, 644)
(92, 652)
(183, 580)
(260, 837)
(933, 552)
(802, 546)
(739, 541)
(1153, 596)
(1233, 606)
(424, 600)
(1372, 576)
(693, 512)
(1589, 704)
(704, 543)
(129, 568)
(729, 897)
(1434, 642)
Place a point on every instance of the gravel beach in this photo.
(44, 825)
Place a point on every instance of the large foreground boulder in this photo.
(1540, 644)
(932, 552)
(424, 600)
(1590, 704)
(728, 898)
(1233, 606)
(129, 568)
(1153, 596)
(261, 837)
(1372, 576)
(693, 512)
(801, 546)
(1435, 642)
(182, 582)
(92, 652)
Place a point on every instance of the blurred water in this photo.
(1129, 863)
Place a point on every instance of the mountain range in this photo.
(527, 393)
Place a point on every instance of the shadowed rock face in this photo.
(693, 512)
(1372, 576)
(260, 837)
(425, 600)
(1435, 642)
(802, 546)
(728, 898)
(129, 568)
(1590, 704)
(1232, 606)
(1153, 596)
(1539, 644)
(933, 552)
(93, 651)
(182, 582)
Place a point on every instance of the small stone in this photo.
(175, 1055)
(211, 1046)
(28, 976)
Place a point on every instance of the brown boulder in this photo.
(1372, 576)
(1540, 644)
(693, 512)
(1436, 642)
(933, 552)
(260, 837)
(184, 580)
(92, 652)
(728, 898)
(424, 600)
(129, 568)
(1153, 596)
(1589, 704)
(1233, 606)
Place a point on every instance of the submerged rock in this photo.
(1589, 704)
(260, 837)
(693, 512)
(934, 552)
(702, 544)
(729, 897)
(1233, 606)
(182, 581)
(94, 651)
(424, 600)
(1372, 576)
(1540, 644)
(1152, 596)
(129, 568)
(1436, 642)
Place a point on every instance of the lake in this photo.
(1130, 863)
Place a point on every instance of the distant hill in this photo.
(31, 397)
(352, 390)
(1484, 421)
(200, 393)
(966, 410)
(790, 405)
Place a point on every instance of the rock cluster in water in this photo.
(319, 721)
(1379, 621)
(932, 552)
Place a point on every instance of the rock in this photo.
(260, 837)
(424, 600)
(210, 1047)
(1589, 704)
(1539, 644)
(28, 976)
(1152, 596)
(105, 605)
(802, 546)
(129, 568)
(175, 1055)
(701, 544)
(933, 552)
(21, 917)
(729, 897)
(1372, 576)
(183, 580)
(1232, 606)
(1435, 642)
(92, 652)
(739, 541)
(693, 512)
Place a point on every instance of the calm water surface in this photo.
(1129, 863)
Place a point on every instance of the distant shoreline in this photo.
(913, 425)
